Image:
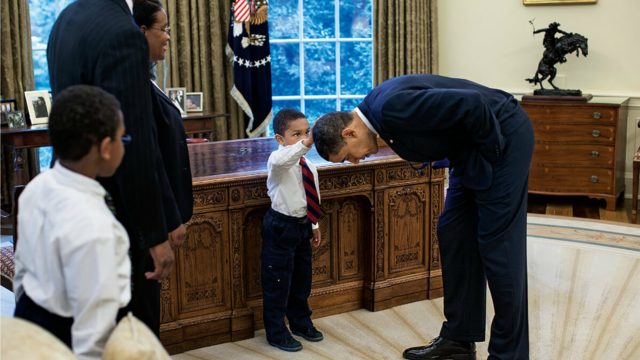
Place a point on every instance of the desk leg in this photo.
(19, 177)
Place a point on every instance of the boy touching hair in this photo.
(289, 232)
(72, 266)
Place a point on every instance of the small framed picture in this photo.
(178, 96)
(193, 102)
(16, 119)
(6, 106)
(39, 106)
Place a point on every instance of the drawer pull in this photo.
(595, 154)
(596, 115)
(595, 133)
(594, 179)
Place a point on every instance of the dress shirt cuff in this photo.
(315, 226)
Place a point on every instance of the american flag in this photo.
(241, 10)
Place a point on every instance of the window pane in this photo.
(42, 15)
(355, 19)
(283, 19)
(349, 104)
(316, 108)
(319, 19)
(285, 69)
(320, 68)
(40, 70)
(356, 73)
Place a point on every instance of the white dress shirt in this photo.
(284, 181)
(72, 257)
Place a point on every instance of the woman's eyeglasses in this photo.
(166, 30)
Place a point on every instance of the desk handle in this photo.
(595, 133)
(594, 179)
(595, 154)
(597, 115)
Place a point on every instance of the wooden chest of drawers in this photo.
(579, 148)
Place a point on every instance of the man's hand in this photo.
(316, 240)
(163, 259)
(178, 236)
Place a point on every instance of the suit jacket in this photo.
(175, 155)
(428, 118)
(96, 42)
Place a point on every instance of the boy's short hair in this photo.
(283, 118)
(81, 117)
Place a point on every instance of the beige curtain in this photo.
(16, 77)
(405, 38)
(197, 59)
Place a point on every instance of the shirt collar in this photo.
(365, 120)
(78, 181)
(130, 5)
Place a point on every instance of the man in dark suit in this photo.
(488, 141)
(97, 42)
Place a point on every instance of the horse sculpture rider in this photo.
(554, 53)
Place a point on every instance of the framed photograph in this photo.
(193, 103)
(39, 106)
(178, 96)
(6, 106)
(16, 119)
(558, 2)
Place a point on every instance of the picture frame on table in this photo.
(6, 106)
(39, 106)
(193, 102)
(16, 119)
(178, 96)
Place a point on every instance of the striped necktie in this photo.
(313, 204)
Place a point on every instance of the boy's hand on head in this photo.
(163, 259)
(308, 142)
(316, 239)
(178, 236)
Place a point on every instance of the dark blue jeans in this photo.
(285, 273)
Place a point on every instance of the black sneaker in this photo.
(287, 344)
(309, 334)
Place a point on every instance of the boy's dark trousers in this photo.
(285, 273)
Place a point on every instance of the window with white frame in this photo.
(321, 54)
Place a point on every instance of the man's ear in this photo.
(279, 139)
(348, 133)
(104, 148)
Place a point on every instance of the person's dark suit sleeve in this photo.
(122, 70)
(442, 109)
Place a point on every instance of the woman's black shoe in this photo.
(441, 348)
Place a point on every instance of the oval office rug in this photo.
(584, 286)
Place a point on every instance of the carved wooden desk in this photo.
(379, 246)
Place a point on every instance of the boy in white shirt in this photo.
(289, 232)
(72, 264)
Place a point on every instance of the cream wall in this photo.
(491, 42)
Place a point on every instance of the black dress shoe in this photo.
(287, 344)
(309, 334)
(441, 348)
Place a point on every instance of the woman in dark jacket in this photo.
(153, 22)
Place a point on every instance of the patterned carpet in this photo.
(584, 282)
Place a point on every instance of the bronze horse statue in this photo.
(566, 44)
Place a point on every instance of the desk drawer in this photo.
(570, 180)
(564, 133)
(572, 114)
(559, 155)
